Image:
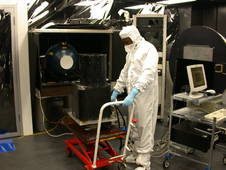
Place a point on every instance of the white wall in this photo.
(22, 65)
(22, 35)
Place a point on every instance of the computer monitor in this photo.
(197, 80)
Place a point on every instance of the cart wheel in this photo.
(166, 164)
(190, 151)
(69, 152)
(224, 160)
(122, 166)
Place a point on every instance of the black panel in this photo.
(221, 26)
(89, 101)
(7, 111)
(93, 70)
(185, 18)
(33, 62)
(118, 56)
(186, 134)
(197, 15)
(152, 30)
(210, 16)
(83, 43)
(205, 15)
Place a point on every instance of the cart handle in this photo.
(99, 128)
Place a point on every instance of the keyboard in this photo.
(219, 115)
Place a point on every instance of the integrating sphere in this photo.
(62, 62)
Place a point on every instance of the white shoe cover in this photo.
(142, 168)
(131, 158)
(143, 160)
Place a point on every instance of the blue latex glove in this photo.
(114, 95)
(130, 98)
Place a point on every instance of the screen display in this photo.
(198, 77)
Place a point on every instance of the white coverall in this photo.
(140, 71)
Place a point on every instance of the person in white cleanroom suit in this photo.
(140, 77)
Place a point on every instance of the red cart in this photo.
(88, 146)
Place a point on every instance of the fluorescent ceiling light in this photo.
(136, 7)
(172, 2)
(48, 25)
(40, 8)
(38, 17)
(85, 3)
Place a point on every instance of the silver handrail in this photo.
(99, 128)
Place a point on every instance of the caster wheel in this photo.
(122, 166)
(190, 151)
(69, 152)
(166, 164)
(224, 160)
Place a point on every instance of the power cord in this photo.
(38, 133)
(118, 112)
(45, 118)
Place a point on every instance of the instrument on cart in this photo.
(88, 145)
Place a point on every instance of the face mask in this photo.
(129, 48)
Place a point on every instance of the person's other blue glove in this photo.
(130, 98)
(114, 95)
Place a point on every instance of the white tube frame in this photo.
(99, 128)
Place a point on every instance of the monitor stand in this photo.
(196, 95)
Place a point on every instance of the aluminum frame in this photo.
(162, 54)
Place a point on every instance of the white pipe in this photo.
(99, 127)
(128, 130)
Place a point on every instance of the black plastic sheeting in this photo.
(63, 9)
(7, 111)
(5, 50)
(64, 12)
(65, 15)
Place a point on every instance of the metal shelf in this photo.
(101, 31)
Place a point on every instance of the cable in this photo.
(44, 117)
(117, 115)
(123, 119)
(57, 122)
(120, 139)
(55, 136)
(38, 133)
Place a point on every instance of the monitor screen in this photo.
(198, 77)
